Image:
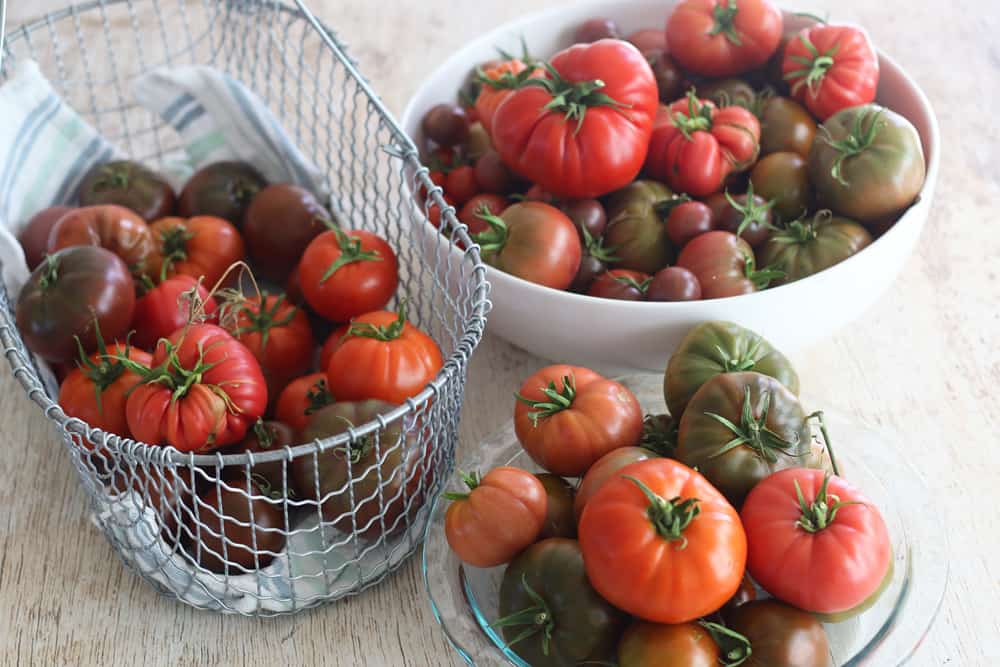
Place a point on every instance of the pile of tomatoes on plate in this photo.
(655, 554)
(716, 157)
(143, 301)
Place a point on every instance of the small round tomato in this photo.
(221, 190)
(383, 356)
(635, 230)
(594, 29)
(817, 543)
(115, 228)
(168, 307)
(661, 543)
(501, 514)
(567, 417)
(748, 216)
(604, 469)
(482, 203)
(550, 615)
(724, 265)
(346, 274)
(587, 214)
(200, 247)
(674, 283)
(687, 220)
(559, 519)
(434, 211)
(658, 645)
(805, 247)
(621, 284)
(279, 224)
(723, 37)
(782, 179)
(446, 125)
(533, 241)
(461, 184)
(477, 144)
(493, 175)
(272, 477)
(131, 185)
(34, 237)
(301, 398)
(786, 126)
(780, 635)
(238, 531)
(649, 39)
(70, 295)
(669, 77)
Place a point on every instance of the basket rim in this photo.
(452, 370)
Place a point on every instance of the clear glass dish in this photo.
(464, 599)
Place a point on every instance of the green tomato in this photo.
(783, 179)
(806, 247)
(636, 235)
(740, 428)
(867, 163)
(550, 615)
(716, 347)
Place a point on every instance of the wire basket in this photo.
(197, 526)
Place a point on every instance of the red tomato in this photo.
(333, 342)
(494, 205)
(500, 80)
(662, 543)
(461, 184)
(816, 542)
(278, 334)
(535, 242)
(567, 417)
(687, 220)
(301, 398)
(203, 391)
(293, 288)
(621, 284)
(724, 265)
(502, 514)
(166, 308)
(831, 67)
(434, 212)
(385, 357)
(345, 274)
(585, 131)
(603, 470)
(112, 227)
(723, 37)
(202, 246)
(694, 145)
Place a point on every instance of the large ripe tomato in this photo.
(724, 265)
(501, 514)
(346, 274)
(129, 184)
(583, 129)
(67, 294)
(739, 428)
(533, 241)
(635, 232)
(694, 145)
(806, 247)
(202, 246)
(204, 390)
(238, 529)
(658, 645)
(96, 390)
(301, 398)
(168, 307)
(831, 67)
(34, 236)
(550, 615)
(278, 226)
(567, 417)
(723, 37)
(498, 82)
(221, 189)
(371, 487)
(604, 469)
(661, 543)
(276, 332)
(780, 635)
(115, 228)
(816, 542)
(383, 356)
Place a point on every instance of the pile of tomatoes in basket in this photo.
(722, 155)
(655, 554)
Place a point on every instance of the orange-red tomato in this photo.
(96, 390)
(567, 417)
(501, 515)
(199, 246)
(502, 76)
(166, 308)
(301, 398)
(660, 542)
(278, 334)
(112, 227)
(333, 342)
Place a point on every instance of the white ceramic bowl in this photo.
(619, 335)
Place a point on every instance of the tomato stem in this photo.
(669, 517)
(471, 481)
(725, 21)
(734, 647)
(629, 281)
(318, 397)
(573, 98)
(350, 252)
(751, 211)
(537, 617)
(262, 319)
(558, 399)
(173, 247)
(857, 141)
(743, 362)
(697, 119)
(50, 273)
(595, 247)
(814, 68)
(492, 240)
(761, 278)
(822, 511)
(818, 416)
(385, 333)
(659, 434)
(754, 433)
(103, 373)
(664, 207)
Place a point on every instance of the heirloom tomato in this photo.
(635, 231)
(112, 227)
(279, 224)
(222, 190)
(301, 398)
(168, 307)
(129, 184)
(780, 635)
(241, 530)
(723, 37)
(34, 237)
(604, 469)
(660, 645)
(271, 477)
(200, 247)
(805, 247)
(724, 265)
(559, 518)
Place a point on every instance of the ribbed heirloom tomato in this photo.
(567, 417)
(112, 227)
(582, 130)
(202, 246)
(723, 37)
(661, 543)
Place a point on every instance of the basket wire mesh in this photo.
(198, 527)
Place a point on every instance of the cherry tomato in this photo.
(727, 92)
(200, 247)
(687, 220)
(621, 284)
(649, 39)
(34, 237)
(658, 645)
(279, 224)
(783, 178)
(129, 184)
(115, 228)
(481, 203)
(500, 515)
(478, 143)
(345, 274)
(594, 29)
(446, 125)
(723, 37)
(434, 212)
(748, 216)
(498, 82)
(167, 307)
(461, 184)
(221, 190)
(587, 214)
(301, 398)
(493, 175)
(669, 78)
(567, 417)
(272, 478)
(674, 283)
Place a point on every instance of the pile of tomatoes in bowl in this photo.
(143, 301)
(718, 532)
(722, 155)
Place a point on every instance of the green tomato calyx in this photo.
(697, 119)
(536, 619)
(595, 248)
(261, 318)
(556, 400)
(494, 239)
(752, 211)
(659, 434)
(573, 98)
(383, 332)
(744, 362)
(173, 247)
(471, 481)
(725, 21)
(669, 517)
(822, 511)
(103, 372)
(734, 647)
(629, 281)
(814, 67)
(754, 433)
(761, 278)
(857, 141)
(350, 252)
(50, 273)
(318, 397)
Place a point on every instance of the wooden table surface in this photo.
(924, 363)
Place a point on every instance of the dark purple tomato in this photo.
(674, 283)
(131, 185)
(446, 125)
(493, 175)
(669, 77)
(221, 189)
(748, 216)
(269, 436)
(687, 220)
(280, 223)
(594, 29)
(587, 214)
(559, 518)
(34, 237)
(621, 284)
(590, 269)
(232, 525)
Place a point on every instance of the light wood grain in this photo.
(923, 363)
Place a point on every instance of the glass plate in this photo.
(464, 599)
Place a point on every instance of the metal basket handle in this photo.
(3, 27)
